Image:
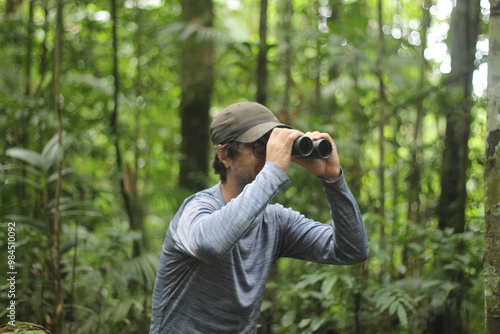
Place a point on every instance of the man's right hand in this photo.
(279, 146)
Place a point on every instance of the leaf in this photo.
(39, 225)
(51, 153)
(266, 305)
(288, 318)
(55, 175)
(25, 155)
(348, 280)
(188, 30)
(86, 213)
(23, 327)
(410, 303)
(27, 181)
(393, 307)
(44, 161)
(97, 85)
(317, 323)
(19, 166)
(143, 268)
(304, 323)
(384, 301)
(129, 236)
(327, 285)
(68, 245)
(402, 315)
(311, 279)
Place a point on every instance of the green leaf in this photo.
(327, 285)
(51, 153)
(23, 327)
(27, 181)
(68, 245)
(25, 220)
(55, 175)
(266, 305)
(76, 213)
(130, 236)
(304, 323)
(384, 301)
(26, 155)
(19, 166)
(393, 307)
(311, 279)
(402, 315)
(317, 323)
(288, 318)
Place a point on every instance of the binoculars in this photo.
(305, 147)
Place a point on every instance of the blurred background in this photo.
(104, 114)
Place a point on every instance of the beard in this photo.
(245, 175)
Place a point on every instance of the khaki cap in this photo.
(244, 122)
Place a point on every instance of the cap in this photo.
(244, 122)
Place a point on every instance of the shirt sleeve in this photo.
(208, 229)
(343, 242)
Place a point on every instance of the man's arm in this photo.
(344, 242)
(207, 230)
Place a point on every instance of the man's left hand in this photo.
(328, 169)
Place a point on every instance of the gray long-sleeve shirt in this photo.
(217, 256)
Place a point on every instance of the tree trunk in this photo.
(455, 161)
(12, 6)
(29, 48)
(196, 83)
(56, 224)
(381, 126)
(127, 182)
(286, 13)
(463, 34)
(142, 244)
(414, 262)
(23, 132)
(316, 72)
(266, 316)
(262, 56)
(44, 52)
(492, 179)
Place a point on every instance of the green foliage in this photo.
(332, 87)
(23, 328)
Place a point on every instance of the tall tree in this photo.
(56, 223)
(262, 56)
(414, 184)
(492, 179)
(383, 103)
(127, 182)
(286, 14)
(196, 84)
(463, 34)
(414, 214)
(464, 30)
(11, 6)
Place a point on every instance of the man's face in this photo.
(246, 166)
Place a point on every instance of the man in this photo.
(222, 243)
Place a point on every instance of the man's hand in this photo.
(328, 169)
(279, 146)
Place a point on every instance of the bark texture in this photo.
(492, 179)
(196, 84)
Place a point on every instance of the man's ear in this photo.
(226, 160)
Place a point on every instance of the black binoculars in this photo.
(305, 147)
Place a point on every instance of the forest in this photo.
(105, 107)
